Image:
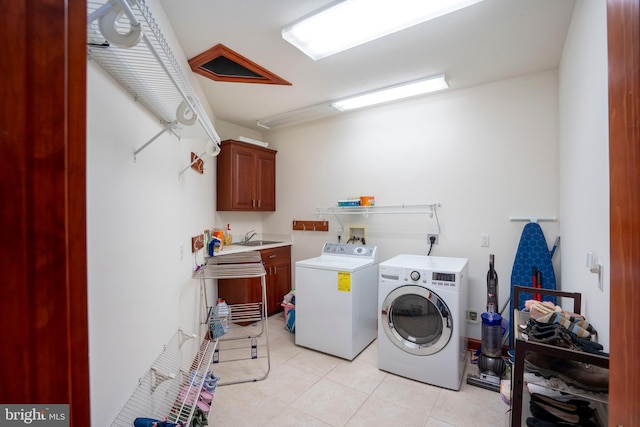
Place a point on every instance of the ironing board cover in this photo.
(532, 252)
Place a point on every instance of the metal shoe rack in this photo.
(523, 347)
(173, 383)
(235, 266)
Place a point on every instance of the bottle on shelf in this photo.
(227, 236)
(224, 313)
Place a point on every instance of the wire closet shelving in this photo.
(124, 38)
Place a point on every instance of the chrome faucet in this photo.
(249, 235)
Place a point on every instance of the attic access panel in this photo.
(222, 64)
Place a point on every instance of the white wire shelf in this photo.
(148, 69)
(431, 210)
(173, 382)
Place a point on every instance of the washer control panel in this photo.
(348, 249)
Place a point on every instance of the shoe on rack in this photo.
(536, 422)
(555, 415)
(579, 326)
(583, 375)
(556, 337)
(586, 344)
(572, 405)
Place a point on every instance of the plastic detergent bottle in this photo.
(227, 235)
(224, 313)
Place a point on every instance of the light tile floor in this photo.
(310, 388)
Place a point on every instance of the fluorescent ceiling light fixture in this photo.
(393, 93)
(349, 23)
(298, 116)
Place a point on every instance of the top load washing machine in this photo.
(336, 299)
(422, 331)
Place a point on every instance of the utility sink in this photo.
(256, 243)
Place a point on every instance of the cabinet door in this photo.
(265, 184)
(279, 284)
(277, 263)
(240, 291)
(243, 177)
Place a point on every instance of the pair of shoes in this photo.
(551, 413)
(556, 337)
(536, 422)
(199, 419)
(579, 374)
(188, 395)
(577, 325)
(150, 422)
(541, 331)
(571, 405)
(538, 308)
(537, 326)
(210, 382)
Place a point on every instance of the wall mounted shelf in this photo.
(141, 60)
(429, 209)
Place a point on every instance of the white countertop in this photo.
(283, 240)
(234, 249)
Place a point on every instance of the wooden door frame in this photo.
(43, 296)
(623, 27)
(43, 223)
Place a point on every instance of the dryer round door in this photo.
(416, 320)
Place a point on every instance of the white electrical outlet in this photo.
(484, 240)
(435, 236)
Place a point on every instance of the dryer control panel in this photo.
(422, 277)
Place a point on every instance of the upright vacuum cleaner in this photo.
(490, 362)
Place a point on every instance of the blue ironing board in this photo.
(532, 252)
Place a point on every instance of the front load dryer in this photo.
(422, 332)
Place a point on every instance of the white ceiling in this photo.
(491, 40)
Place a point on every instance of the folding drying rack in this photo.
(237, 266)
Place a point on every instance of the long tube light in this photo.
(393, 93)
(349, 23)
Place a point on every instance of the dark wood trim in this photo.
(220, 50)
(623, 23)
(42, 179)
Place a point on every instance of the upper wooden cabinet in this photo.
(246, 177)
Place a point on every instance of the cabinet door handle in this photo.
(259, 204)
(275, 269)
(253, 203)
(272, 256)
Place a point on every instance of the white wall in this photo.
(584, 160)
(140, 217)
(485, 153)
